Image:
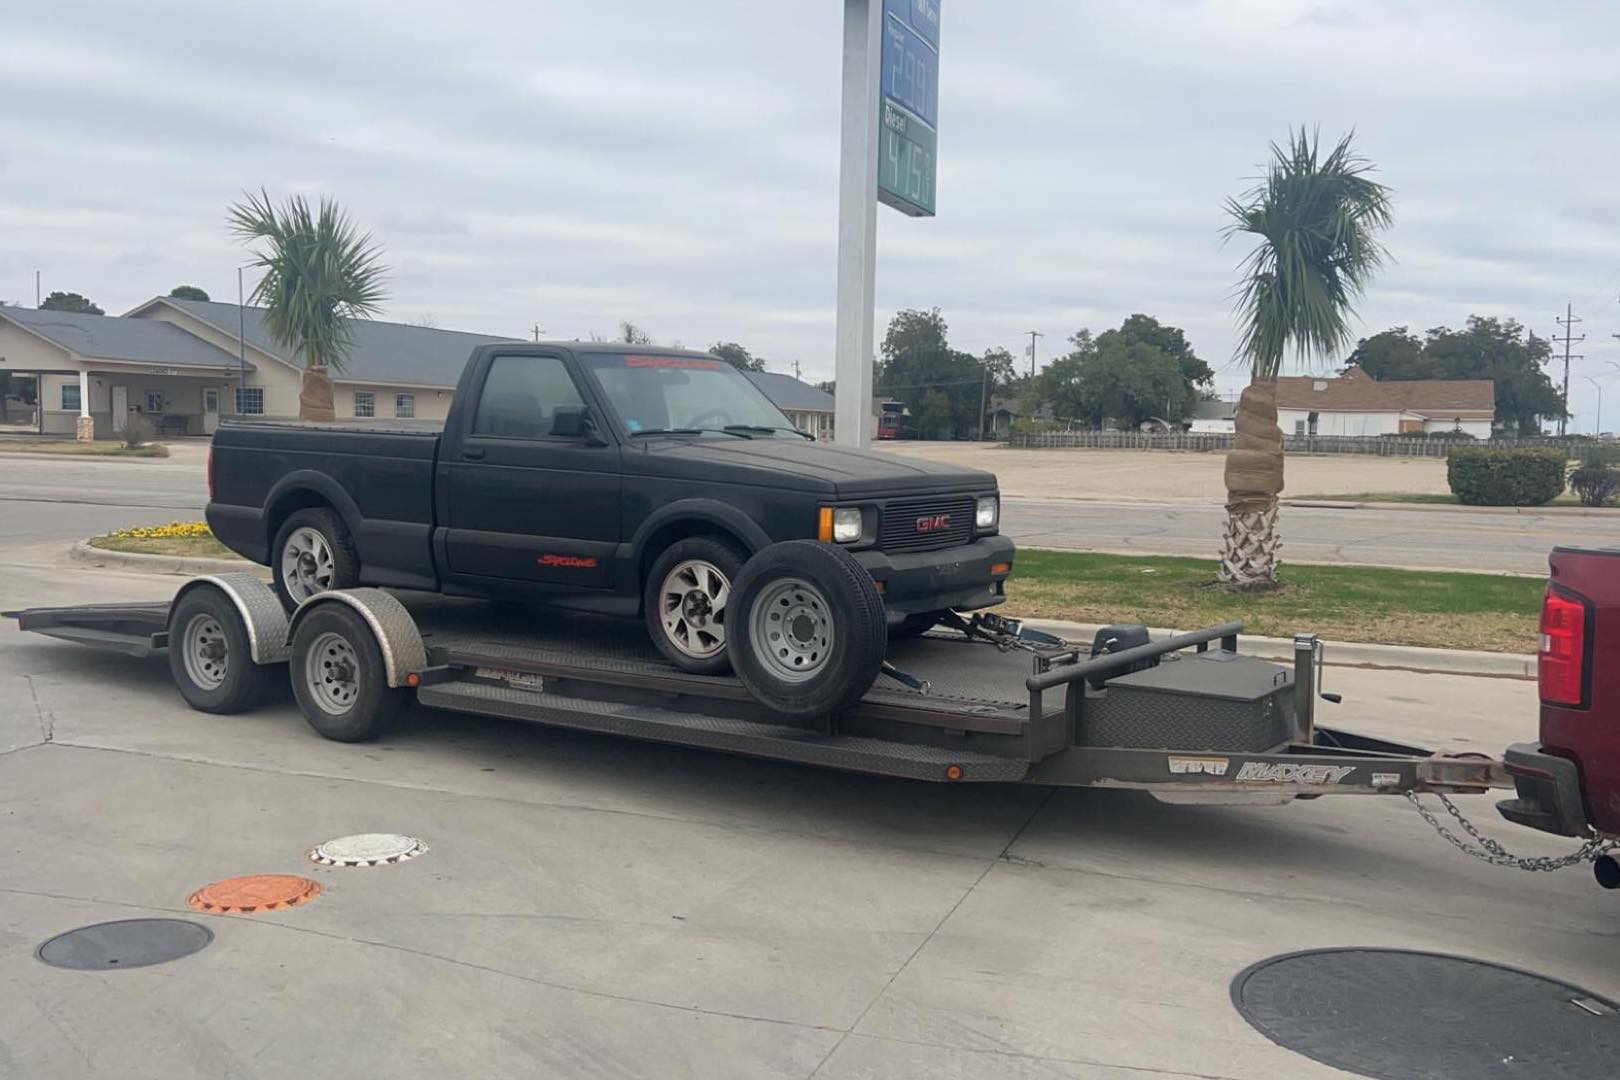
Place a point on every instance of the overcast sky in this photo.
(675, 163)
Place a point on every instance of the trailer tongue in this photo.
(1188, 718)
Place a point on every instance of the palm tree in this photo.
(320, 272)
(1317, 219)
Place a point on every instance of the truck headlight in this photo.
(986, 512)
(846, 524)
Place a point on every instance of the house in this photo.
(1357, 404)
(184, 364)
(1212, 417)
(810, 409)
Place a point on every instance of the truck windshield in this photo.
(689, 395)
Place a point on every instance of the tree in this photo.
(1146, 330)
(631, 334)
(1393, 354)
(917, 359)
(70, 301)
(737, 356)
(187, 292)
(1501, 351)
(320, 273)
(1141, 370)
(1317, 219)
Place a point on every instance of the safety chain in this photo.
(1495, 854)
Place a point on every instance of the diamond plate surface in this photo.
(849, 752)
(1398, 1015)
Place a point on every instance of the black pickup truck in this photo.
(612, 478)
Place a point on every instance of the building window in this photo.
(404, 406)
(70, 397)
(250, 401)
(154, 401)
(365, 403)
(1299, 427)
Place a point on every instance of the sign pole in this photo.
(857, 223)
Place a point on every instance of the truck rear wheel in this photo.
(687, 597)
(339, 676)
(313, 553)
(808, 632)
(210, 656)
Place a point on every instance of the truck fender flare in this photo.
(398, 639)
(322, 485)
(711, 511)
(262, 614)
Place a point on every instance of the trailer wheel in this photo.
(808, 632)
(210, 656)
(339, 676)
(313, 553)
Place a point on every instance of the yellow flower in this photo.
(173, 530)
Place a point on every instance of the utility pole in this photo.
(796, 369)
(984, 401)
(1568, 323)
(537, 331)
(1033, 334)
(36, 290)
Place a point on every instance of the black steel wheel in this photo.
(210, 656)
(808, 631)
(339, 677)
(313, 553)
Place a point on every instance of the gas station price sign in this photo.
(908, 118)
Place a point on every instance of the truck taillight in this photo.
(1561, 663)
(210, 473)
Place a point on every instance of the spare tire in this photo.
(807, 632)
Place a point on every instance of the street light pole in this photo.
(1597, 428)
(241, 344)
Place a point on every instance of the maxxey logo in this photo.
(933, 523)
(569, 562)
(1284, 773)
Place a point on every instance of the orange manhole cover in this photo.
(255, 892)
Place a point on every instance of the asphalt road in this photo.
(592, 907)
(1497, 541)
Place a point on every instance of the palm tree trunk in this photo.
(315, 396)
(1254, 477)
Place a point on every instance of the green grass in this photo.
(1411, 497)
(90, 449)
(1492, 612)
(196, 547)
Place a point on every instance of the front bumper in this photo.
(917, 582)
(1548, 791)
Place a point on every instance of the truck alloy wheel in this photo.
(312, 553)
(808, 628)
(688, 602)
(210, 657)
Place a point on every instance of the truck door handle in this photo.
(473, 453)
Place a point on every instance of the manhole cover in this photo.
(255, 892)
(1399, 1015)
(367, 849)
(128, 943)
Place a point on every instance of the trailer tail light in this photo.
(210, 472)
(1561, 663)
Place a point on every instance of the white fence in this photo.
(1378, 445)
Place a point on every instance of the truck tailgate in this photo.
(1588, 731)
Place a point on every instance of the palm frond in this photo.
(1318, 220)
(320, 273)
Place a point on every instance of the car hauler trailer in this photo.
(1188, 718)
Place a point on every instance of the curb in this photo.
(1454, 508)
(84, 552)
(1349, 653)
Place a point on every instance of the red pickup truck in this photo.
(1569, 781)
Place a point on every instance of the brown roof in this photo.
(1358, 392)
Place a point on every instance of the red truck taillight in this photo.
(1561, 663)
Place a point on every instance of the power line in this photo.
(1568, 323)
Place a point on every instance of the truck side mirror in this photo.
(573, 422)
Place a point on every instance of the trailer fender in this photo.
(262, 614)
(397, 636)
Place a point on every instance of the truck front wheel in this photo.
(313, 553)
(687, 600)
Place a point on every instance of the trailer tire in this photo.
(211, 656)
(808, 630)
(339, 676)
(315, 547)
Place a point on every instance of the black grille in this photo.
(915, 524)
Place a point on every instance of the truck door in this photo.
(527, 505)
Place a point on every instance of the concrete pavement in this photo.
(605, 908)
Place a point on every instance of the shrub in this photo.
(1481, 477)
(1601, 454)
(1597, 485)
